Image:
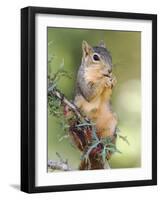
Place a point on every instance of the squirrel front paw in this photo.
(111, 81)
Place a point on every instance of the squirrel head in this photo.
(98, 56)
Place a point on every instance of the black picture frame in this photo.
(28, 98)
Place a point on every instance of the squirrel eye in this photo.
(96, 57)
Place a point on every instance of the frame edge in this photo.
(24, 100)
(27, 100)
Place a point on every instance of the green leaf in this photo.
(124, 138)
(104, 153)
(113, 150)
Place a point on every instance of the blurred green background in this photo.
(125, 47)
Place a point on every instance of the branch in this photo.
(55, 92)
(59, 165)
(83, 133)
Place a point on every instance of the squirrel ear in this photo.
(101, 44)
(86, 48)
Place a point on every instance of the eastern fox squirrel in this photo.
(94, 88)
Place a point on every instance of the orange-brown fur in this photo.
(98, 109)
